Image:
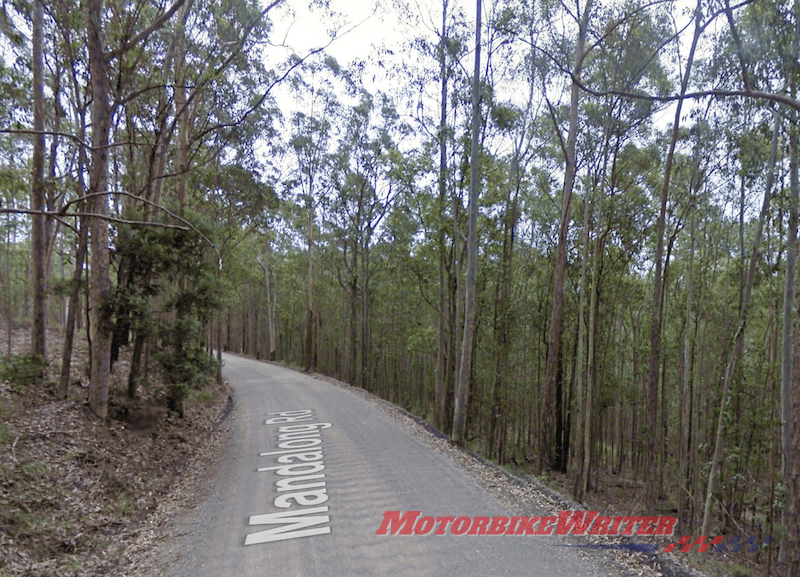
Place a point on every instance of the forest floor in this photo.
(75, 491)
(621, 496)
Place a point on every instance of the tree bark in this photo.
(500, 418)
(182, 112)
(442, 343)
(310, 360)
(98, 184)
(547, 435)
(270, 308)
(655, 321)
(790, 376)
(577, 411)
(39, 221)
(470, 300)
(74, 305)
(684, 448)
(591, 333)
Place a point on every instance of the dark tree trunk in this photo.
(98, 185)
(39, 221)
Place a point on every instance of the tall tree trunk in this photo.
(790, 375)
(352, 356)
(153, 192)
(470, 300)
(442, 343)
(7, 296)
(791, 549)
(74, 305)
(310, 356)
(578, 408)
(594, 298)
(356, 377)
(500, 418)
(547, 429)
(39, 221)
(269, 305)
(738, 341)
(366, 377)
(684, 448)
(98, 185)
(662, 432)
(651, 465)
(181, 111)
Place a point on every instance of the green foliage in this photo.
(205, 396)
(5, 433)
(122, 504)
(22, 370)
(176, 266)
(186, 364)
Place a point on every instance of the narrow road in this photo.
(350, 473)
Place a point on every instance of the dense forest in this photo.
(564, 232)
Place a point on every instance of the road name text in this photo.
(300, 483)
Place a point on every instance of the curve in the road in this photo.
(370, 464)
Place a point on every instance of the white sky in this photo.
(369, 24)
(364, 27)
(373, 22)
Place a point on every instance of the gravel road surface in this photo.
(364, 464)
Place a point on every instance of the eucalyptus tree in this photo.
(363, 193)
(470, 300)
(653, 465)
(38, 240)
(35, 58)
(210, 57)
(13, 192)
(547, 437)
(734, 67)
(623, 62)
(514, 32)
(314, 133)
(435, 94)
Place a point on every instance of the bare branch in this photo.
(145, 34)
(56, 214)
(62, 212)
(25, 132)
(188, 226)
(718, 93)
(737, 40)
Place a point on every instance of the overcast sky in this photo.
(368, 23)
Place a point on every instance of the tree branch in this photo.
(145, 34)
(718, 93)
(58, 214)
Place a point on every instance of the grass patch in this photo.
(5, 434)
(205, 396)
(123, 504)
(33, 468)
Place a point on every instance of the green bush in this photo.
(174, 265)
(22, 370)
